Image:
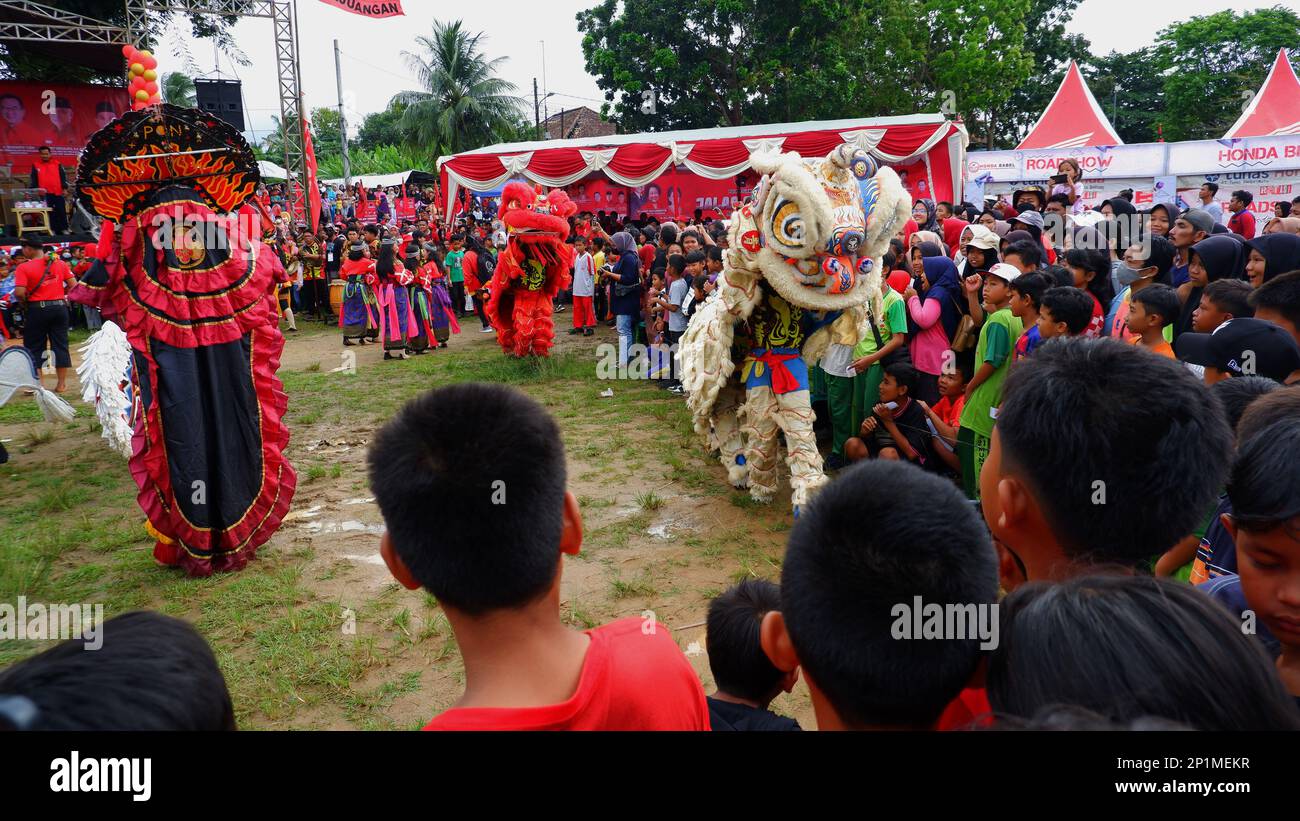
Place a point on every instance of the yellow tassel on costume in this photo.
(153, 531)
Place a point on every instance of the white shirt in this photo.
(584, 275)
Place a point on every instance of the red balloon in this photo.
(128, 50)
(151, 87)
(149, 62)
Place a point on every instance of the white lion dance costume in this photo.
(804, 259)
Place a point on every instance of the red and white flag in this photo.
(369, 8)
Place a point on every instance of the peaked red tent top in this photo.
(1072, 119)
(1275, 109)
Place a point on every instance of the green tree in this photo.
(1129, 92)
(462, 103)
(178, 89)
(1051, 50)
(1211, 65)
(326, 132)
(381, 127)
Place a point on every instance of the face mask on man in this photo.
(1128, 275)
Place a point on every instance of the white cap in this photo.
(1005, 271)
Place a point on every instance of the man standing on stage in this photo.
(47, 173)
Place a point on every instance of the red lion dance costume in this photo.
(184, 272)
(535, 266)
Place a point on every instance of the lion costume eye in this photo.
(787, 224)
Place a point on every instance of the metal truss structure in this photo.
(37, 22)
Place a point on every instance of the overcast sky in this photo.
(374, 69)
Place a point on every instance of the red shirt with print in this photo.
(30, 272)
(633, 678)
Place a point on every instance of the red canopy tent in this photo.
(635, 160)
(1275, 110)
(1072, 119)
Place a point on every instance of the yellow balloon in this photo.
(142, 95)
(137, 68)
(150, 75)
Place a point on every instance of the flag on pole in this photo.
(313, 190)
(369, 8)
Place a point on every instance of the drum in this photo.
(336, 296)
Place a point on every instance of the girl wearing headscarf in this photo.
(1284, 225)
(923, 211)
(1211, 259)
(625, 302)
(359, 313)
(934, 311)
(1160, 218)
(923, 250)
(1271, 255)
(1119, 219)
(398, 323)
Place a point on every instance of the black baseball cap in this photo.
(1243, 347)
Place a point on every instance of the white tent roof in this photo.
(272, 171)
(373, 180)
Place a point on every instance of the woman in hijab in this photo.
(1272, 255)
(1285, 225)
(933, 311)
(1213, 258)
(923, 212)
(1120, 215)
(921, 251)
(954, 235)
(1160, 218)
(625, 303)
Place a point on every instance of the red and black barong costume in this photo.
(183, 270)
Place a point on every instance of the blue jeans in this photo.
(624, 324)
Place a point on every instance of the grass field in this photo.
(314, 633)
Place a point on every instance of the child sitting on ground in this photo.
(440, 471)
(843, 584)
(1066, 311)
(945, 416)
(896, 428)
(747, 682)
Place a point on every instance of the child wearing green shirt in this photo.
(997, 340)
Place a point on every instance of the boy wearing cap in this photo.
(1243, 347)
(998, 337)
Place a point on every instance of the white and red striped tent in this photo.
(1072, 119)
(1275, 110)
(717, 153)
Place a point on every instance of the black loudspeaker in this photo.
(223, 99)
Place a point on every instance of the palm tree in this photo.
(178, 89)
(462, 104)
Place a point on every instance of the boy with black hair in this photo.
(746, 680)
(1026, 297)
(1242, 222)
(671, 302)
(1264, 524)
(440, 471)
(1026, 256)
(945, 416)
(896, 428)
(1066, 311)
(149, 672)
(998, 336)
(1102, 456)
(1152, 310)
(845, 595)
(1222, 300)
(454, 260)
(1278, 301)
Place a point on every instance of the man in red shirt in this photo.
(1242, 222)
(470, 480)
(42, 282)
(47, 173)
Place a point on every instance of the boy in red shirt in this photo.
(471, 483)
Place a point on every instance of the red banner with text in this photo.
(368, 8)
(63, 117)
